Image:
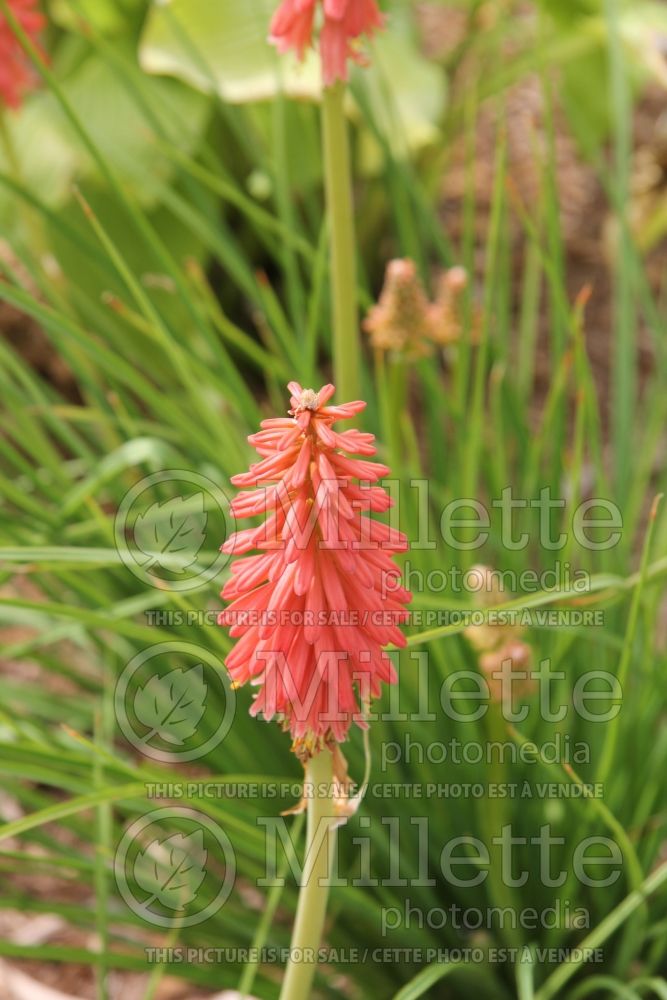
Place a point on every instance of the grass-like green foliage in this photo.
(175, 374)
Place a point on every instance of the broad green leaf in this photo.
(107, 16)
(224, 47)
(405, 93)
(120, 128)
(50, 157)
(47, 159)
(643, 27)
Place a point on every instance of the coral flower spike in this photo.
(310, 609)
(16, 77)
(344, 23)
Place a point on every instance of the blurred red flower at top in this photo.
(345, 21)
(16, 77)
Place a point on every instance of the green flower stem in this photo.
(340, 210)
(312, 906)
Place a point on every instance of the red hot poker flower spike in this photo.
(16, 77)
(313, 609)
(344, 23)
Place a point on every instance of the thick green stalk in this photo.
(340, 212)
(312, 906)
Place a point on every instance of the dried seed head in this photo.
(500, 650)
(447, 314)
(506, 670)
(400, 320)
